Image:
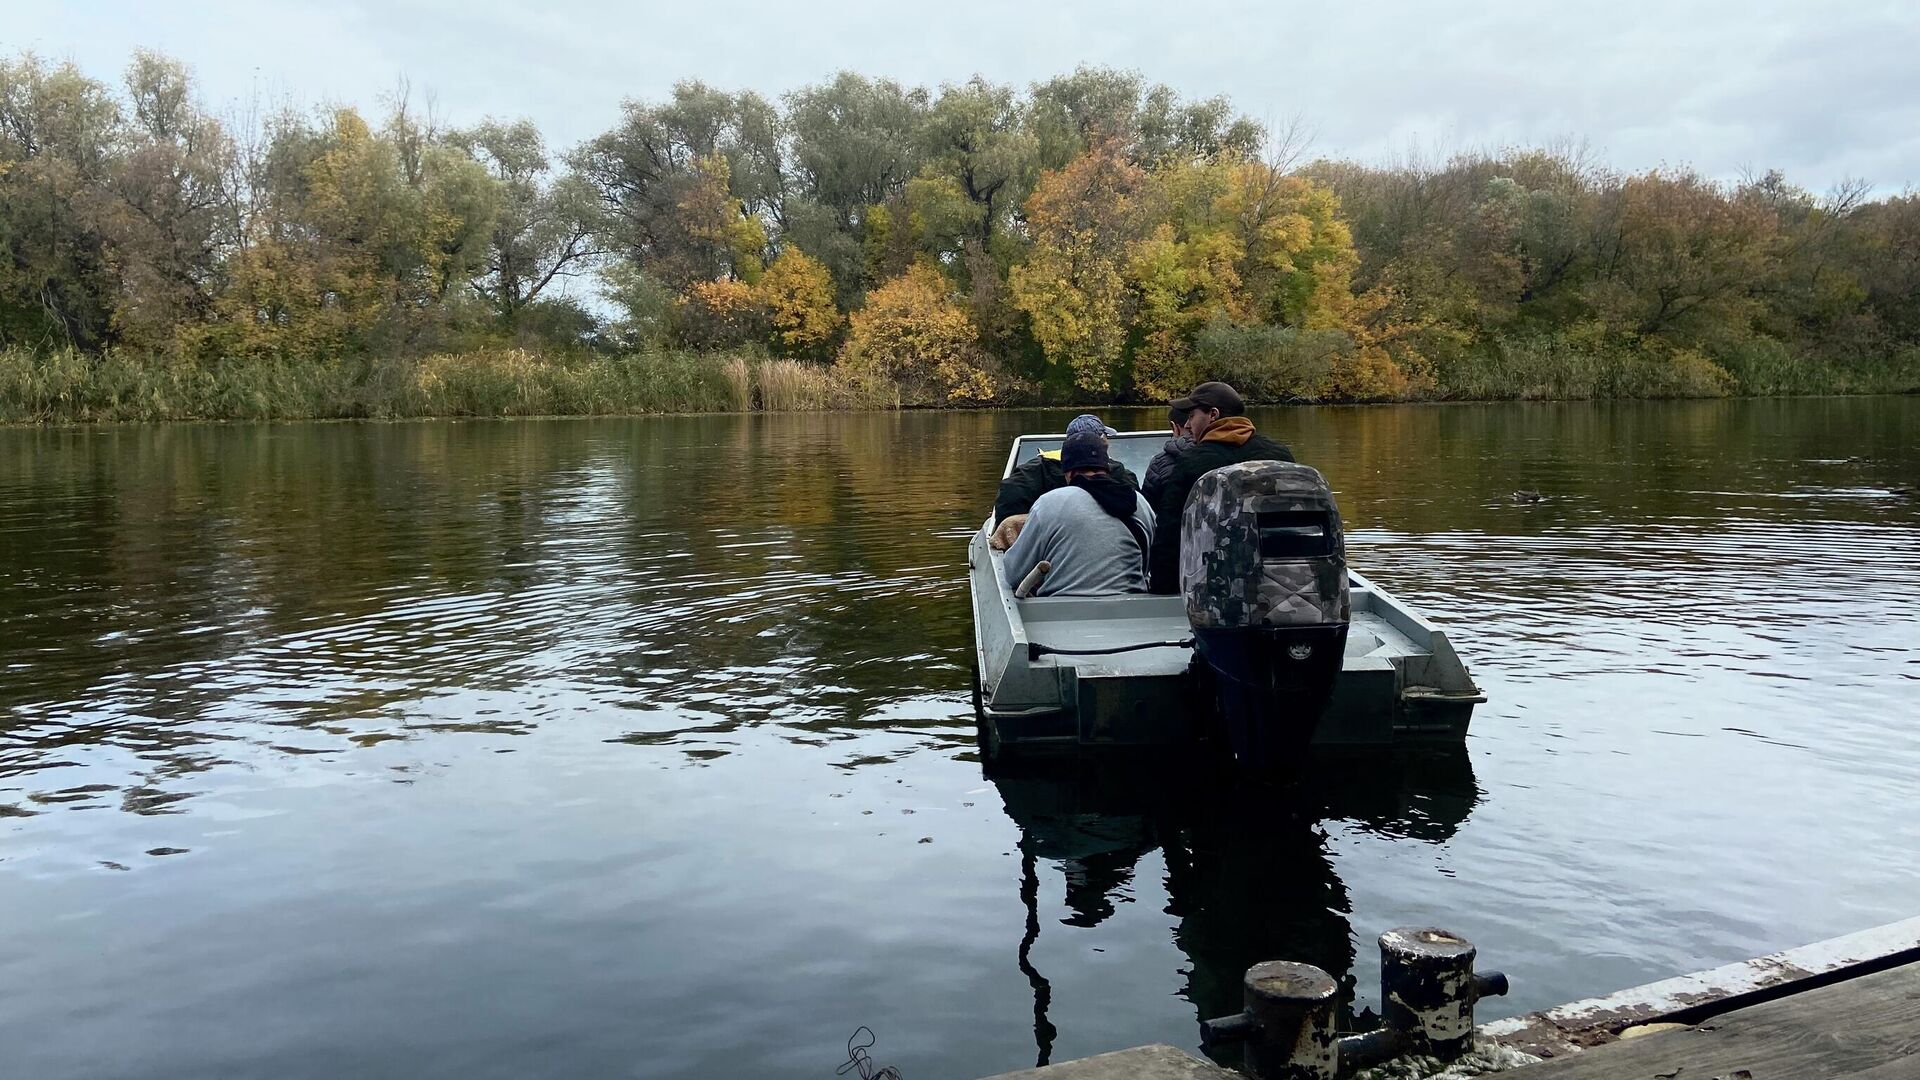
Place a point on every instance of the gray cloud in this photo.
(1822, 93)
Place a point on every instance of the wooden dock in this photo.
(1846, 1007)
(1867, 1027)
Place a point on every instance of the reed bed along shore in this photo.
(72, 387)
(68, 386)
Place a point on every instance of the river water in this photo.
(642, 748)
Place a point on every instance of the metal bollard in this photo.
(1287, 1024)
(1356, 1052)
(1428, 988)
(1427, 992)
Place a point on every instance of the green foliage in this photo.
(856, 142)
(1266, 362)
(1584, 361)
(545, 229)
(1149, 123)
(643, 306)
(672, 202)
(57, 129)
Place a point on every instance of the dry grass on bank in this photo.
(64, 386)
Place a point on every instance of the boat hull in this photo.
(1400, 683)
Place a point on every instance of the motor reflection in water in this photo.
(1248, 873)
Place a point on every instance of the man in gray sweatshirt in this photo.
(1095, 531)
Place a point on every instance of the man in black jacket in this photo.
(1162, 462)
(1217, 423)
(1040, 474)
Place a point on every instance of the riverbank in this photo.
(66, 386)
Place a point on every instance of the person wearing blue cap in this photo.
(1039, 475)
(1094, 532)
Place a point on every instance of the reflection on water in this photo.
(529, 747)
(1247, 876)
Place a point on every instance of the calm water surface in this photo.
(642, 747)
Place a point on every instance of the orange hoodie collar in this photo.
(1232, 430)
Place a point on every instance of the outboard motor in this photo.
(1263, 567)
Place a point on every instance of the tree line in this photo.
(1090, 237)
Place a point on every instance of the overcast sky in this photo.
(1822, 91)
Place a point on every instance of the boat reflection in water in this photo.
(1248, 874)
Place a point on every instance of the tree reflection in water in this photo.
(1248, 874)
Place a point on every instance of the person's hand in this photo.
(1007, 532)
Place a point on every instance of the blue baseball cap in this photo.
(1089, 424)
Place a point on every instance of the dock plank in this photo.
(1866, 1028)
(1156, 1062)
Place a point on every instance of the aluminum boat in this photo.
(1067, 672)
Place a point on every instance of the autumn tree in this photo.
(1679, 251)
(1085, 220)
(911, 331)
(797, 292)
(728, 238)
(1890, 261)
(169, 215)
(366, 237)
(1238, 243)
(721, 314)
(1095, 230)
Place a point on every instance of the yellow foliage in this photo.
(1367, 375)
(358, 198)
(797, 290)
(1151, 258)
(910, 331)
(370, 241)
(1162, 281)
(1387, 360)
(720, 314)
(1299, 259)
(1084, 220)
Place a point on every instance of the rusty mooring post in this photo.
(1427, 990)
(1287, 1025)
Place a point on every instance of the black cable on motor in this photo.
(1035, 650)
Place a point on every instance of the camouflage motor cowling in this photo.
(1261, 545)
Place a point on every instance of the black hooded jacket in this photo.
(1170, 479)
(1037, 476)
(1162, 463)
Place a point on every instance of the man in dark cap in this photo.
(1094, 530)
(1040, 474)
(1216, 422)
